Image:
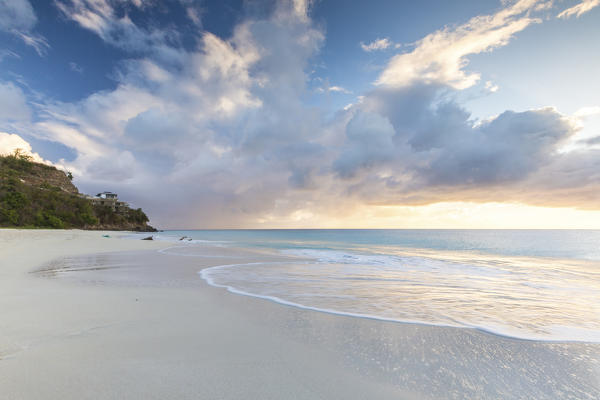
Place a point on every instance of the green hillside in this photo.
(34, 195)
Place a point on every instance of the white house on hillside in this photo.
(107, 195)
(108, 199)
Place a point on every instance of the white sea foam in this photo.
(526, 298)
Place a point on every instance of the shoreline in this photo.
(117, 333)
(287, 303)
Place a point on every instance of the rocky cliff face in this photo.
(40, 175)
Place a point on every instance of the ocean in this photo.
(525, 284)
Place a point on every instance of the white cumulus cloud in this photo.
(10, 142)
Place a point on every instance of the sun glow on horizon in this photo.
(445, 215)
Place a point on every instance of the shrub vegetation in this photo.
(48, 206)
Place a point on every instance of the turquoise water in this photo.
(579, 244)
(527, 284)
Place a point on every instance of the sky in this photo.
(313, 114)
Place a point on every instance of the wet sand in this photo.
(109, 318)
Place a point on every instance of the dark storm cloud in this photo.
(417, 130)
(368, 144)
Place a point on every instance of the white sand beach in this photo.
(133, 323)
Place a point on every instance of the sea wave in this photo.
(524, 298)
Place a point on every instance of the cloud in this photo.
(368, 143)
(194, 15)
(223, 116)
(439, 154)
(11, 142)
(587, 111)
(337, 89)
(593, 141)
(101, 17)
(16, 15)
(505, 149)
(300, 9)
(440, 57)
(13, 103)
(378, 44)
(18, 18)
(39, 43)
(7, 53)
(491, 87)
(223, 134)
(579, 9)
(73, 66)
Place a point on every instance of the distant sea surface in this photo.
(526, 284)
